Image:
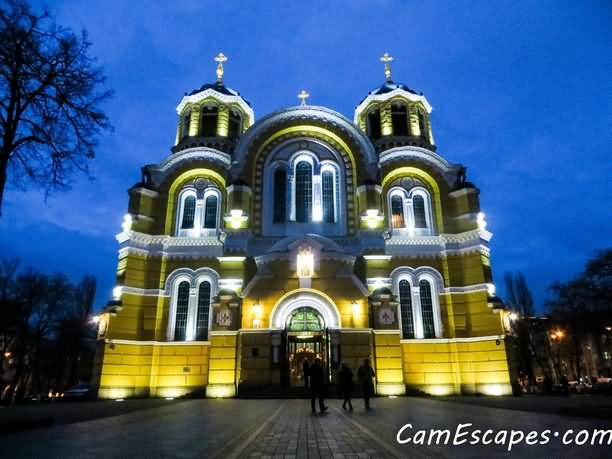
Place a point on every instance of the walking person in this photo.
(306, 371)
(366, 375)
(317, 386)
(346, 385)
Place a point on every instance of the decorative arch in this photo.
(410, 171)
(300, 298)
(415, 277)
(195, 278)
(177, 185)
(313, 120)
(345, 171)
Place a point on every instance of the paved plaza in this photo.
(286, 429)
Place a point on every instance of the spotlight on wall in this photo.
(127, 222)
(236, 218)
(513, 316)
(372, 219)
(480, 220)
(117, 291)
(356, 308)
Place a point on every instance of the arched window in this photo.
(189, 207)
(235, 123)
(208, 121)
(305, 319)
(182, 311)
(397, 211)
(405, 297)
(303, 191)
(327, 186)
(427, 313)
(186, 124)
(203, 311)
(373, 124)
(280, 191)
(210, 211)
(422, 124)
(418, 206)
(399, 119)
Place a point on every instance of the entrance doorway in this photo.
(307, 340)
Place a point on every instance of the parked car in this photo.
(78, 392)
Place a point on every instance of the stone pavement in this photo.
(271, 429)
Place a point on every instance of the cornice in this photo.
(390, 95)
(305, 113)
(448, 170)
(169, 247)
(195, 98)
(159, 172)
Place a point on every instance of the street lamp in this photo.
(557, 336)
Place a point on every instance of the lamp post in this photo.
(557, 336)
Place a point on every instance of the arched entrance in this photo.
(306, 338)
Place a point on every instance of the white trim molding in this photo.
(471, 339)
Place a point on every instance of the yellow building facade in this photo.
(258, 245)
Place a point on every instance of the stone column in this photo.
(223, 121)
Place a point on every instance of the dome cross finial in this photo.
(303, 95)
(220, 59)
(387, 59)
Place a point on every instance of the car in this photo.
(78, 392)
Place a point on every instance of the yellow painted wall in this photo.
(457, 367)
(152, 369)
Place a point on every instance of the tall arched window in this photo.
(208, 121)
(405, 297)
(327, 186)
(303, 192)
(189, 207)
(418, 206)
(422, 124)
(427, 309)
(399, 119)
(235, 122)
(397, 211)
(186, 123)
(373, 124)
(203, 311)
(280, 192)
(210, 211)
(182, 311)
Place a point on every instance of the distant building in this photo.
(256, 245)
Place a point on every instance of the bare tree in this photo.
(519, 295)
(51, 91)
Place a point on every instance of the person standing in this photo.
(306, 371)
(346, 385)
(317, 386)
(366, 375)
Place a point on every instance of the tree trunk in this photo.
(578, 352)
(3, 176)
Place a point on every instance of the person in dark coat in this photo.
(345, 377)
(306, 371)
(366, 375)
(317, 386)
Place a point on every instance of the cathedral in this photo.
(259, 244)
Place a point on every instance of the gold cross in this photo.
(303, 95)
(387, 59)
(220, 59)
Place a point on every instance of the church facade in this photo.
(257, 245)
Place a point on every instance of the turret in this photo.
(393, 115)
(212, 116)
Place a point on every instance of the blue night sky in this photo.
(521, 93)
